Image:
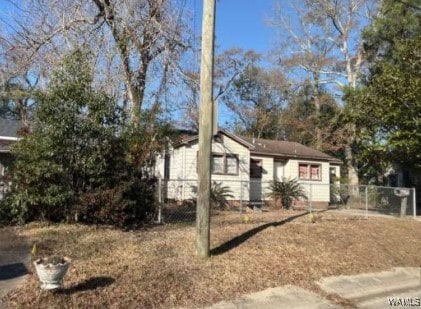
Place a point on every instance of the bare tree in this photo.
(323, 44)
(144, 31)
(229, 65)
(17, 100)
(304, 49)
(134, 43)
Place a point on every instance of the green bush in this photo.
(286, 190)
(219, 195)
(6, 211)
(81, 161)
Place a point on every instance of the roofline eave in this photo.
(232, 136)
(285, 156)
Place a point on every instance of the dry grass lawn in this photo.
(157, 268)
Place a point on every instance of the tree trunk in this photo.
(134, 98)
(317, 105)
(319, 142)
(352, 73)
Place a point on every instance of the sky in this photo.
(242, 24)
(239, 23)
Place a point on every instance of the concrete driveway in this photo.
(14, 260)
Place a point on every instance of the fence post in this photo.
(159, 201)
(414, 203)
(311, 196)
(241, 197)
(366, 202)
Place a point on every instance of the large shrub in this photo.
(78, 163)
(126, 203)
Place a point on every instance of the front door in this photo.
(278, 170)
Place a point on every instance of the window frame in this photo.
(225, 165)
(309, 167)
(235, 157)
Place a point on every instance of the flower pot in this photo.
(51, 274)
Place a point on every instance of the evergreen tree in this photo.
(75, 152)
(388, 104)
(257, 97)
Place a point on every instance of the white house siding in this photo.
(238, 184)
(175, 184)
(183, 170)
(319, 191)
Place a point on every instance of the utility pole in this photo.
(205, 131)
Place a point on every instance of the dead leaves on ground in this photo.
(157, 268)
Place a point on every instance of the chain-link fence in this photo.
(375, 200)
(177, 199)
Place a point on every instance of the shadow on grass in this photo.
(238, 240)
(89, 284)
(11, 271)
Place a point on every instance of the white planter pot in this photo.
(51, 275)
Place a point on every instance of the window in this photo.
(231, 163)
(218, 164)
(309, 171)
(256, 168)
(224, 164)
(167, 162)
(303, 171)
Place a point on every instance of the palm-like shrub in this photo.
(286, 190)
(220, 194)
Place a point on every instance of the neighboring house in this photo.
(247, 166)
(8, 136)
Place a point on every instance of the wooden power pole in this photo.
(205, 131)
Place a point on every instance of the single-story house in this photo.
(247, 166)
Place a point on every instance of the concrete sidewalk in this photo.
(372, 290)
(376, 290)
(275, 298)
(14, 260)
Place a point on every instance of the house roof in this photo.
(273, 148)
(9, 128)
(287, 149)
